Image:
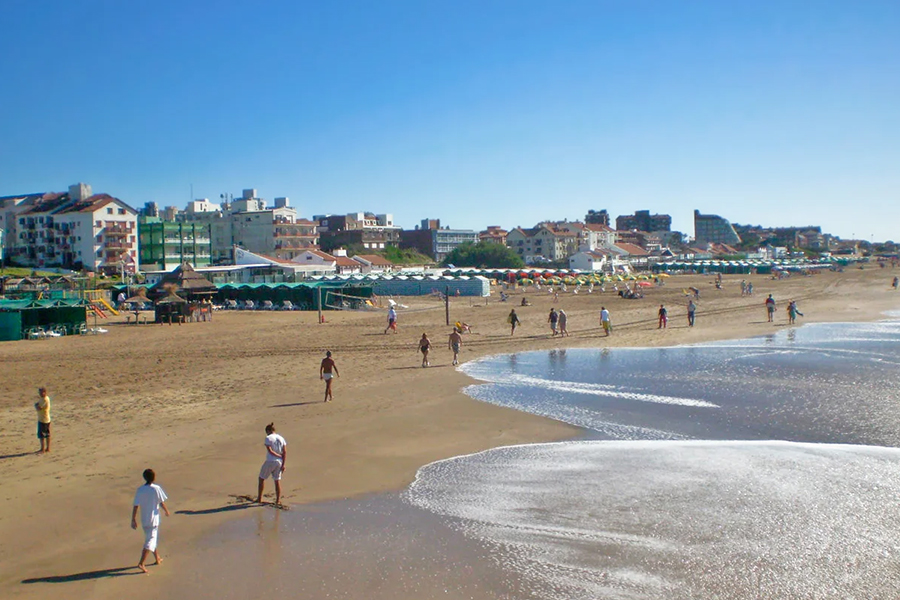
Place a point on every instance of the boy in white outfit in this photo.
(276, 454)
(149, 497)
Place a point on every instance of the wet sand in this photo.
(191, 401)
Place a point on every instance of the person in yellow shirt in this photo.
(42, 407)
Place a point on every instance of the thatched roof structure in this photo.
(184, 280)
(171, 299)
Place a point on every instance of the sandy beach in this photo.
(191, 401)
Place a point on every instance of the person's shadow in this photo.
(87, 575)
(19, 455)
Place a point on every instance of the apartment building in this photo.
(431, 240)
(166, 245)
(75, 229)
(362, 229)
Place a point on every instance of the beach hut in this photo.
(187, 283)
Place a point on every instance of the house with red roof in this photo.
(75, 229)
(372, 263)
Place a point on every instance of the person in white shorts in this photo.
(276, 454)
(149, 498)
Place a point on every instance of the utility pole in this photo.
(447, 303)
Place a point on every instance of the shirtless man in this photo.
(327, 371)
(454, 343)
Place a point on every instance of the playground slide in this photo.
(98, 311)
(108, 307)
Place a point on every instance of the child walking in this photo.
(149, 498)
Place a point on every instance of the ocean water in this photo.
(763, 468)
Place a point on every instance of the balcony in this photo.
(116, 245)
(118, 231)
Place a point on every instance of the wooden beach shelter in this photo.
(186, 283)
(171, 308)
(137, 301)
(178, 291)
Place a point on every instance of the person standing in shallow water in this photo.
(513, 320)
(328, 371)
(276, 455)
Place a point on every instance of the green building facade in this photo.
(164, 245)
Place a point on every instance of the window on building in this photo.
(109, 211)
(121, 211)
(98, 224)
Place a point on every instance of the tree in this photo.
(485, 255)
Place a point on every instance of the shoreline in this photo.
(386, 423)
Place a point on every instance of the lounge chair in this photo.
(35, 333)
(287, 305)
(231, 305)
(267, 305)
(249, 305)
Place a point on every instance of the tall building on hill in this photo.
(431, 240)
(371, 231)
(642, 220)
(594, 217)
(714, 229)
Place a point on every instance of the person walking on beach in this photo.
(276, 455)
(895, 282)
(424, 347)
(563, 322)
(149, 498)
(770, 308)
(392, 321)
(605, 320)
(454, 344)
(793, 311)
(691, 309)
(42, 406)
(328, 371)
(663, 317)
(553, 319)
(513, 320)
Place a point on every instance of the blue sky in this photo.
(477, 113)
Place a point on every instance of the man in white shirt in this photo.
(604, 320)
(149, 498)
(276, 454)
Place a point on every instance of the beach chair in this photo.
(249, 305)
(231, 305)
(267, 305)
(80, 329)
(287, 305)
(35, 333)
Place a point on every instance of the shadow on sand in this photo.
(218, 509)
(19, 455)
(295, 404)
(87, 575)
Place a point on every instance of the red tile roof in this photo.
(598, 227)
(632, 250)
